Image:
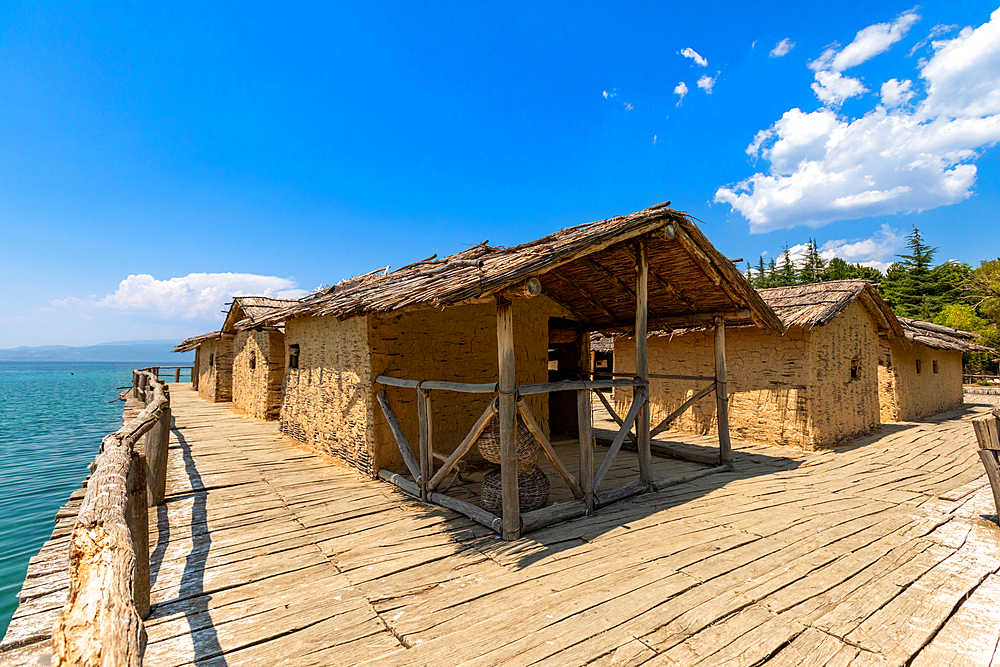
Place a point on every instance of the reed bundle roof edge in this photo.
(246, 312)
(817, 304)
(189, 344)
(601, 343)
(941, 337)
(589, 269)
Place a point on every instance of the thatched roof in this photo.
(589, 269)
(817, 304)
(601, 343)
(940, 337)
(191, 343)
(246, 312)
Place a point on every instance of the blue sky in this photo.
(154, 162)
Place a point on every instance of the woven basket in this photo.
(532, 491)
(525, 445)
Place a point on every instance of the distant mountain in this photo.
(151, 351)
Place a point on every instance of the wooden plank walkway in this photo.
(875, 554)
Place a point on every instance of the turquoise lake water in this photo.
(52, 418)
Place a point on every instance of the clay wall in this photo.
(906, 395)
(215, 370)
(258, 372)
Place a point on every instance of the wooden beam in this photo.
(637, 402)
(665, 424)
(550, 453)
(585, 294)
(610, 277)
(576, 385)
(397, 433)
(665, 285)
(525, 289)
(464, 447)
(721, 394)
(627, 490)
(400, 482)
(642, 358)
(614, 415)
(425, 417)
(508, 387)
(477, 514)
(429, 385)
(706, 265)
(553, 514)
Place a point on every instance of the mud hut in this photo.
(258, 366)
(924, 377)
(432, 352)
(814, 386)
(212, 373)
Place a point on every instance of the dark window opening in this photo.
(253, 360)
(855, 368)
(211, 360)
(918, 367)
(293, 356)
(934, 364)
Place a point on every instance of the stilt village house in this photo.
(435, 351)
(816, 385)
(923, 378)
(244, 362)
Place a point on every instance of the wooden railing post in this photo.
(585, 424)
(177, 374)
(642, 361)
(722, 394)
(156, 447)
(987, 430)
(508, 407)
(135, 384)
(425, 417)
(137, 519)
(143, 381)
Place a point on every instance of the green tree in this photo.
(836, 269)
(786, 275)
(812, 265)
(909, 286)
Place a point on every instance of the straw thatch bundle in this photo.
(940, 337)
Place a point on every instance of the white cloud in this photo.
(706, 83)
(782, 48)
(693, 55)
(608, 96)
(867, 44)
(832, 88)
(194, 296)
(876, 251)
(896, 93)
(893, 159)
(628, 106)
(682, 90)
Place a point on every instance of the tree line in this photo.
(951, 293)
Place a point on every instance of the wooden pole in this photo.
(425, 417)
(508, 407)
(137, 519)
(156, 447)
(194, 368)
(988, 436)
(721, 394)
(177, 374)
(642, 360)
(463, 447)
(397, 433)
(135, 384)
(584, 420)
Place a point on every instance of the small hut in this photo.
(258, 366)
(814, 386)
(923, 378)
(212, 374)
(435, 351)
(602, 354)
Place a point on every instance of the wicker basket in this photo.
(532, 491)
(525, 445)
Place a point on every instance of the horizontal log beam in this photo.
(429, 385)
(633, 488)
(400, 482)
(576, 385)
(553, 514)
(477, 514)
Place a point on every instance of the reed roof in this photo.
(817, 304)
(941, 337)
(589, 269)
(246, 312)
(601, 343)
(191, 343)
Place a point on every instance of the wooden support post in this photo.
(135, 384)
(141, 394)
(508, 407)
(177, 374)
(137, 519)
(194, 368)
(988, 435)
(642, 360)
(721, 394)
(585, 423)
(426, 417)
(156, 447)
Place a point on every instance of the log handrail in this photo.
(101, 622)
(522, 389)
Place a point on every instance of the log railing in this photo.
(178, 371)
(102, 621)
(583, 486)
(987, 430)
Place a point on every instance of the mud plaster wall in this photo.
(215, 370)
(458, 344)
(327, 401)
(844, 408)
(905, 395)
(258, 371)
(768, 382)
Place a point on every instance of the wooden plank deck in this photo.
(875, 554)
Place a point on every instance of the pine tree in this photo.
(772, 273)
(786, 274)
(812, 265)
